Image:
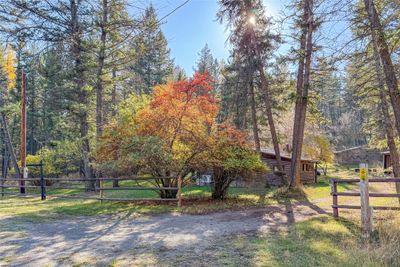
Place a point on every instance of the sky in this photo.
(188, 29)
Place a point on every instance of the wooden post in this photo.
(334, 198)
(23, 134)
(366, 212)
(42, 182)
(101, 190)
(2, 186)
(179, 191)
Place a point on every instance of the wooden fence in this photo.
(365, 195)
(335, 194)
(100, 188)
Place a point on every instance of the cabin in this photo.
(308, 168)
(272, 178)
(360, 154)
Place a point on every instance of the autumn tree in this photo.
(230, 156)
(174, 135)
(318, 147)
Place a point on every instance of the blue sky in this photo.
(191, 27)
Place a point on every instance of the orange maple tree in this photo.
(174, 135)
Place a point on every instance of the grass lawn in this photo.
(196, 200)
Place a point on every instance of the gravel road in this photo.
(100, 240)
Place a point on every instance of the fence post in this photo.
(101, 190)
(42, 182)
(334, 198)
(366, 212)
(179, 191)
(2, 185)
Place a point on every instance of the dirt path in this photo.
(99, 240)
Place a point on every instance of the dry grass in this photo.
(385, 246)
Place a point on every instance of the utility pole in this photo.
(23, 135)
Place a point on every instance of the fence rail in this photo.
(99, 187)
(335, 194)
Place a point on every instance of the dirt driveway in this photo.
(102, 240)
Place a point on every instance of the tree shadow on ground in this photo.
(315, 242)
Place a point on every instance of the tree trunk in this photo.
(114, 108)
(268, 110)
(76, 50)
(114, 95)
(4, 155)
(394, 153)
(302, 88)
(254, 116)
(99, 75)
(270, 119)
(168, 193)
(386, 118)
(221, 184)
(8, 142)
(100, 66)
(385, 57)
(6, 162)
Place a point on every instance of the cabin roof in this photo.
(271, 152)
(350, 149)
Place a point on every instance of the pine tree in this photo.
(308, 26)
(207, 63)
(152, 64)
(253, 41)
(113, 25)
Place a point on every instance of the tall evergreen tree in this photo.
(111, 40)
(207, 63)
(152, 64)
(253, 40)
(307, 26)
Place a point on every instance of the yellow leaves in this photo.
(8, 67)
(318, 147)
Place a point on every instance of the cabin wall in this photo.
(255, 180)
(262, 179)
(308, 177)
(275, 180)
(357, 155)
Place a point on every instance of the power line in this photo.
(174, 10)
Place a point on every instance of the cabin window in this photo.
(275, 168)
(306, 167)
